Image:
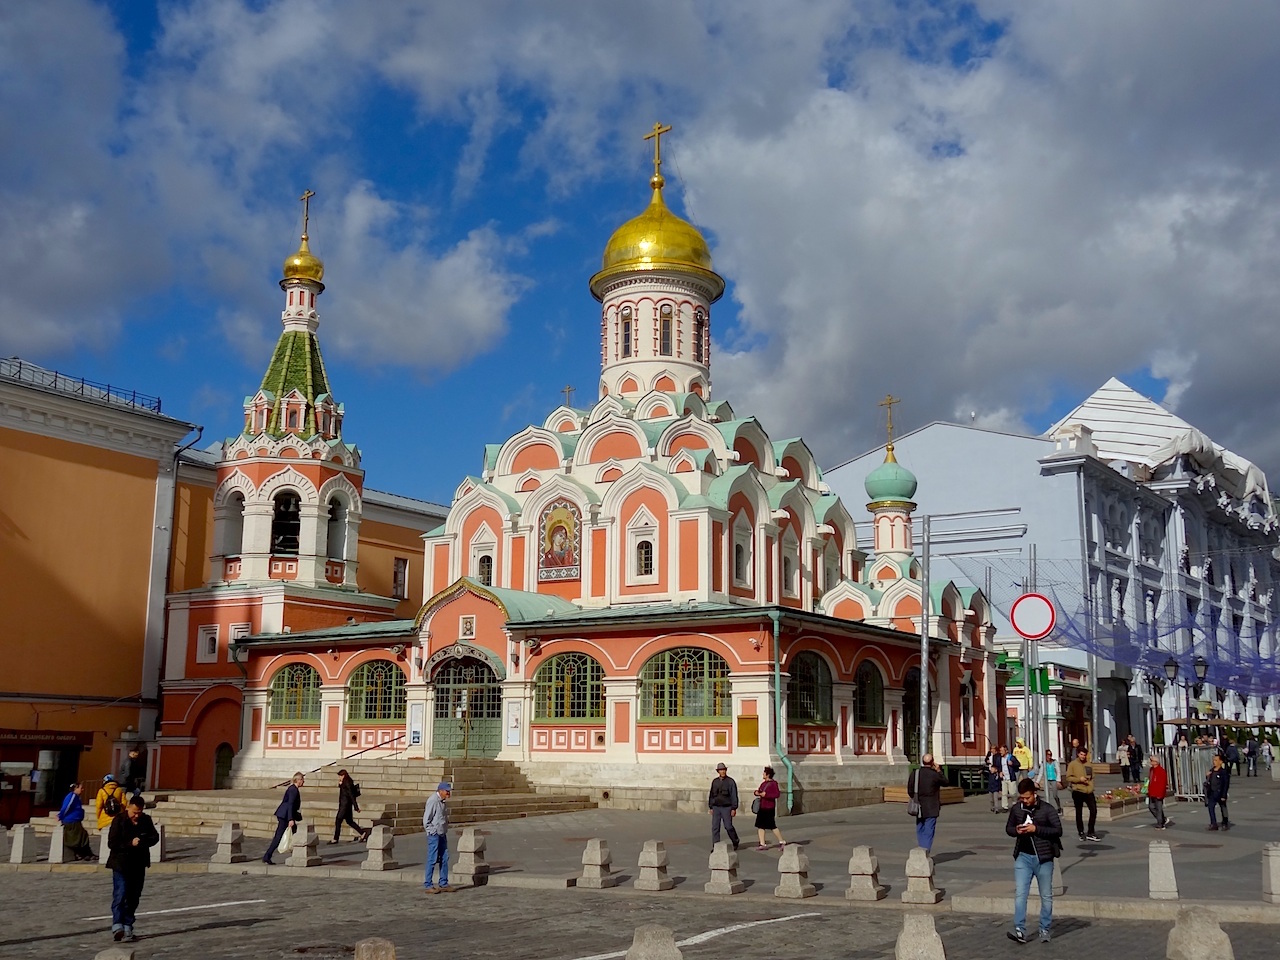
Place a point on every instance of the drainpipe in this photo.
(779, 746)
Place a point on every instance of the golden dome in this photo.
(655, 240)
(304, 265)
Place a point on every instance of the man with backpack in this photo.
(1037, 832)
(110, 801)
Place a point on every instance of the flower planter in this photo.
(1116, 809)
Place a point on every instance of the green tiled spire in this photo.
(295, 365)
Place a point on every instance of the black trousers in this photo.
(344, 816)
(722, 815)
(1085, 800)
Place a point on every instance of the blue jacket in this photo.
(72, 809)
(291, 806)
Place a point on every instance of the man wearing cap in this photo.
(722, 801)
(435, 821)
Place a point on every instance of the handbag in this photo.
(913, 805)
(755, 805)
(286, 842)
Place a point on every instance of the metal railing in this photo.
(350, 756)
(1187, 767)
(20, 370)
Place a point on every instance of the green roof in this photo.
(295, 365)
(346, 631)
(522, 605)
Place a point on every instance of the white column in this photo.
(616, 692)
(313, 533)
(256, 556)
(842, 698)
(893, 704)
(331, 738)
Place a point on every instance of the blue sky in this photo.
(983, 208)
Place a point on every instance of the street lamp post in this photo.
(1171, 672)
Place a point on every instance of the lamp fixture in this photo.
(1171, 669)
(398, 649)
(1201, 667)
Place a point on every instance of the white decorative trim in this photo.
(207, 643)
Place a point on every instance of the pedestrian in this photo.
(131, 837)
(288, 813)
(1026, 762)
(1136, 755)
(1266, 754)
(722, 801)
(1251, 757)
(348, 800)
(1009, 768)
(1050, 782)
(71, 815)
(925, 786)
(993, 786)
(1122, 758)
(1217, 783)
(1157, 790)
(435, 821)
(767, 815)
(133, 773)
(1231, 754)
(1037, 832)
(109, 801)
(1080, 779)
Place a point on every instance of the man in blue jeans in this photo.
(1037, 832)
(435, 821)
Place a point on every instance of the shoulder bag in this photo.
(913, 804)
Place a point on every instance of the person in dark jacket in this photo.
(767, 817)
(1216, 786)
(1251, 757)
(348, 800)
(287, 814)
(925, 785)
(993, 787)
(133, 774)
(1009, 767)
(1037, 832)
(722, 801)
(130, 839)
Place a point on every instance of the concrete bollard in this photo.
(306, 846)
(1161, 882)
(793, 876)
(919, 939)
(115, 953)
(920, 888)
(724, 871)
(654, 942)
(381, 850)
(375, 948)
(159, 852)
(58, 845)
(4, 845)
(230, 839)
(1271, 869)
(597, 862)
(653, 867)
(471, 866)
(104, 851)
(1197, 936)
(864, 876)
(22, 844)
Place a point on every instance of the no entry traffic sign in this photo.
(1033, 616)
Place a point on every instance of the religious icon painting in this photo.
(560, 542)
(466, 627)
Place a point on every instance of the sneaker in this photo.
(1166, 825)
(1226, 825)
(269, 863)
(1044, 936)
(130, 936)
(445, 888)
(330, 843)
(117, 935)
(1083, 838)
(1094, 837)
(763, 846)
(1018, 935)
(781, 844)
(735, 845)
(430, 890)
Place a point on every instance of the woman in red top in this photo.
(767, 818)
(1157, 790)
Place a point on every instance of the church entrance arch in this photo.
(222, 758)
(468, 714)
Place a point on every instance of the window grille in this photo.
(484, 570)
(869, 687)
(295, 695)
(809, 689)
(687, 682)
(376, 692)
(569, 686)
(644, 558)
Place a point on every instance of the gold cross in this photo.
(888, 402)
(568, 396)
(306, 208)
(656, 137)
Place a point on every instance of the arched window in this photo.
(484, 570)
(699, 333)
(742, 552)
(233, 526)
(869, 692)
(337, 529)
(375, 692)
(626, 331)
(286, 523)
(809, 689)
(295, 695)
(569, 686)
(664, 330)
(687, 682)
(293, 419)
(644, 558)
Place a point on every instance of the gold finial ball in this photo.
(304, 265)
(657, 181)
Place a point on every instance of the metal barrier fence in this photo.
(1187, 767)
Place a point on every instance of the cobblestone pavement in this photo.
(48, 917)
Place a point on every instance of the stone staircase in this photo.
(393, 793)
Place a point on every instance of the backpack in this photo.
(112, 805)
(1233, 754)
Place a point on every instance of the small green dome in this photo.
(891, 480)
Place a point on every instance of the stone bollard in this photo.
(793, 875)
(864, 876)
(1161, 882)
(160, 852)
(381, 846)
(4, 845)
(1197, 936)
(375, 948)
(1271, 870)
(22, 844)
(596, 866)
(305, 852)
(920, 888)
(654, 942)
(115, 953)
(653, 867)
(919, 939)
(58, 844)
(724, 871)
(104, 851)
(471, 865)
(230, 837)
